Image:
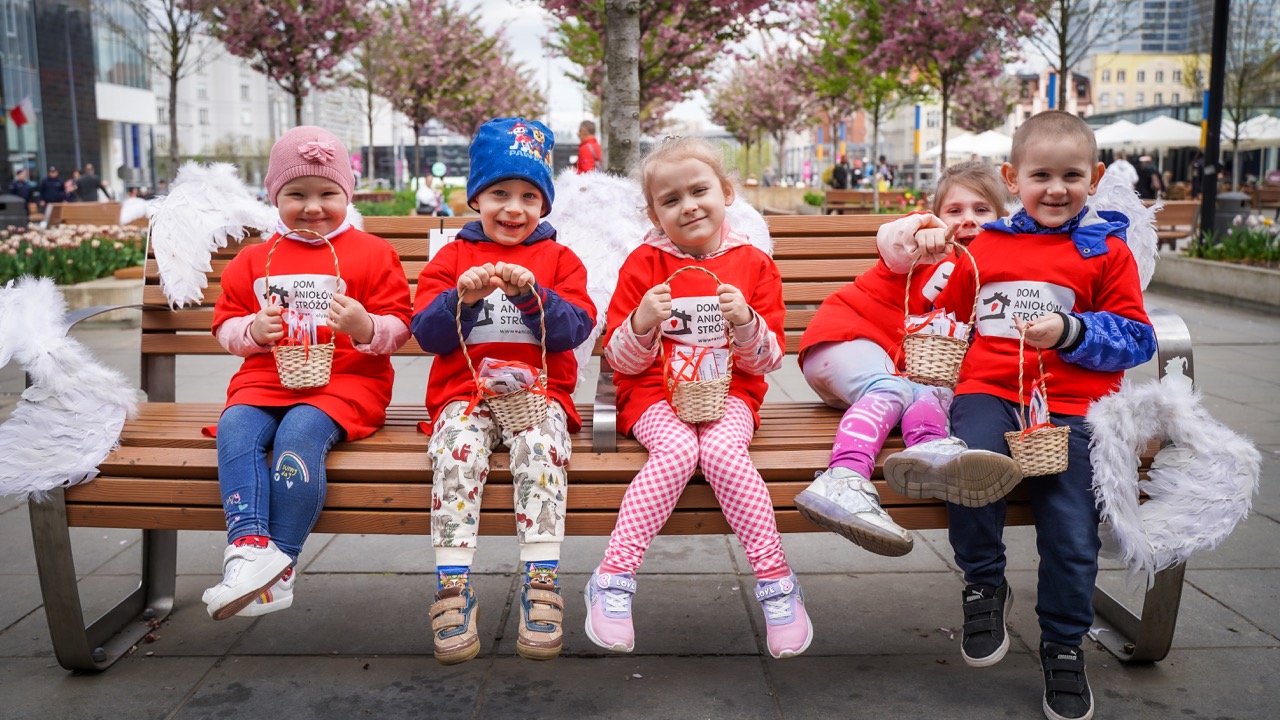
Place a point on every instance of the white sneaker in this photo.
(946, 469)
(843, 501)
(247, 571)
(276, 597)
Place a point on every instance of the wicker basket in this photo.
(1039, 450)
(698, 401)
(302, 366)
(521, 409)
(935, 359)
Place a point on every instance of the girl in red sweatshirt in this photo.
(686, 190)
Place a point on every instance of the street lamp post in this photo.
(1213, 135)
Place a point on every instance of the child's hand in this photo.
(1044, 332)
(475, 284)
(931, 244)
(734, 306)
(512, 279)
(655, 306)
(347, 315)
(268, 325)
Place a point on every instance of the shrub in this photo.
(403, 204)
(69, 253)
(1252, 240)
(813, 198)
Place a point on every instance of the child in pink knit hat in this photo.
(273, 440)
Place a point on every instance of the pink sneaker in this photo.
(608, 599)
(787, 623)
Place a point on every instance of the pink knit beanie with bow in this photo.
(308, 150)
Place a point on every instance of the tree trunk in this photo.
(173, 121)
(875, 157)
(368, 169)
(297, 108)
(417, 158)
(622, 84)
(946, 106)
(1062, 85)
(781, 137)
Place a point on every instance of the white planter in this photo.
(1243, 283)
(106, 291)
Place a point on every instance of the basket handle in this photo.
(266, 270)
(728, 326)
(1024, 412)
(542, 328)
(977, 282)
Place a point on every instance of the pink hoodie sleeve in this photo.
(389, 333)
(631, 354)
(755, 347)
(234, 336)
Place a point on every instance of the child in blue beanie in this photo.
(491, 278)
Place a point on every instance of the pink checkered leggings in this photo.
(675, 450)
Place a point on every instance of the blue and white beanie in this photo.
(512, 148)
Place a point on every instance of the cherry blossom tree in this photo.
(296, 43)
(772, 91)
(504, 90)
(730, 108)
(949, 45)
(369, 60)
(680, 41)
(984, 104)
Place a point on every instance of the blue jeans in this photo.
(280, 499)
(1065, 515)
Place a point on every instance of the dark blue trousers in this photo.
(1066, 521)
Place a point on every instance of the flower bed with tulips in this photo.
(1251, 240)
(70, 254)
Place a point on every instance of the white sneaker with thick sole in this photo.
(247, 571)
(946, 469)
(843, 501)
(277, 597)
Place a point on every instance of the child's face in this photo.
(509, 210)
(689, 204)
(966, 209)
(312, 203)
(1054, 179)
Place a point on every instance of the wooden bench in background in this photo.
(858, 201)
(87, 213)
(1176, 220)
(1267, 199)
(164, 476)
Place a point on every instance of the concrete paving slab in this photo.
(1251, 593)
(822, 552)
(335, 688)
(136, 688)
(1203, 621)
(364, 615)
(1254, 544)
(628, 687)
(29, 637)
(1226, 684)
(92, 547)
(19, 597)
(673, 615)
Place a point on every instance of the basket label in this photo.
(696, 321)
(938, 280)
(1000, 302)
(500, 321)
(306, 295)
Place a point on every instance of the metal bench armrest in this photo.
(604, 412)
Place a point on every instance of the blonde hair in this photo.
(976, 176)
(1055, 124)
(675, 149)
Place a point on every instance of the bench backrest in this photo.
(1178, 213)
(88, 213)
(816, 255)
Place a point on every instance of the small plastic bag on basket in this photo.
(938, 323)
(500, 377)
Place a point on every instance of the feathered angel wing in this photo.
(1115, 193)
(205, 206)
(70, 418)
(747, 220)
(601, 218)
(132, 209)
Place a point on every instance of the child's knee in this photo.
(892, 389)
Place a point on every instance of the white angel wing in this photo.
(748, 221)
(70, 418)
(205, 206)
(1115, 193)
(132, 209)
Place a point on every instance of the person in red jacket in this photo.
(272, 441)
(589, 155)
(496, 282)
(850, 355)
(1059, 272)
(655, 314)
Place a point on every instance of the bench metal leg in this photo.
(1148, 637)
(96, 646)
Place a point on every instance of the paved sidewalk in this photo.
(356, 643)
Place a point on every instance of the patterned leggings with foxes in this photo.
(460, 446)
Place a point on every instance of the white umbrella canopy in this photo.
(1166, 132)
(955, 146)
(1261, 131)
(1117, 134)
(990, 144)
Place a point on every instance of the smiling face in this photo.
(312, 203)
(967, 209)
(688, 204)
(509, 210)
(1054, 178)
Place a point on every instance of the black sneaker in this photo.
(985, 639)
(1066, 688)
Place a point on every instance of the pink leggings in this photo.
(675, 450)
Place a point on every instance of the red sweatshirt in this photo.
(359, 387)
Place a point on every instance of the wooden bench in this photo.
(1267, 198)
(164, 476)
(1176, 220)
(87, 213)
(858, 201)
